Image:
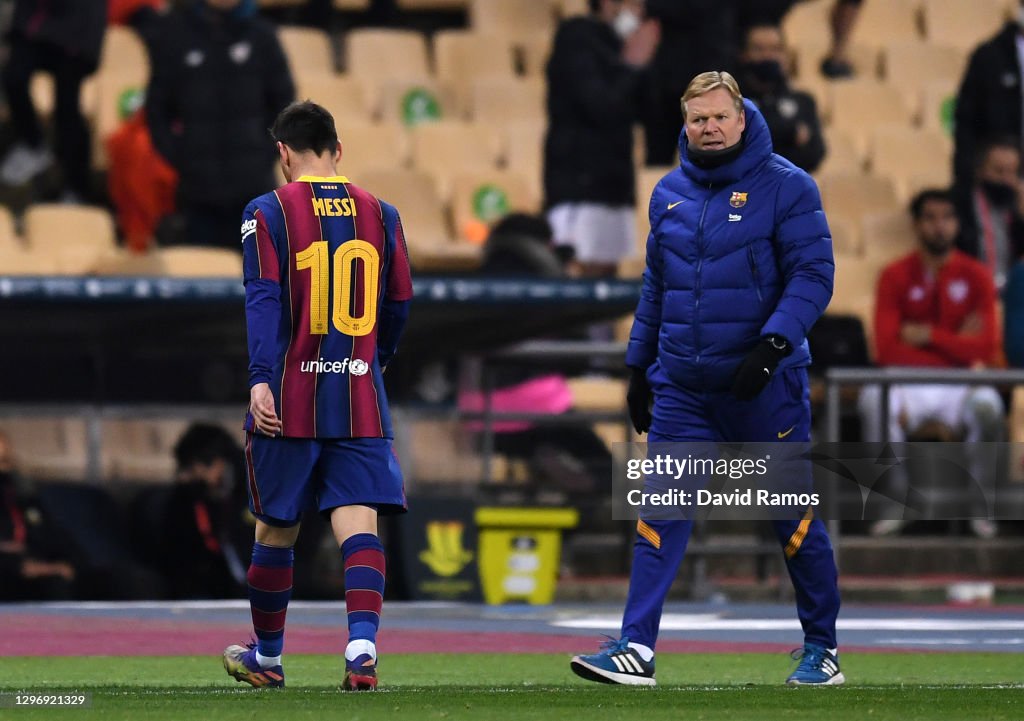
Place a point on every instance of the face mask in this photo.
(999, 194)
(625, 23)
(767, 72)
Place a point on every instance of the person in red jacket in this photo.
(936, 307)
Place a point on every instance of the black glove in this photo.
(638, 398)
(756, 369)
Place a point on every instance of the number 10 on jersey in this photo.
(344, 267)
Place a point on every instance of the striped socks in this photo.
(270, 589)
(363, 556)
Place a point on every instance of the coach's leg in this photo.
(657, 553)
(812, 569)
(270, 588)
(355, 529)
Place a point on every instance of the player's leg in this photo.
(677, 416)
(360, 478)
(279, 472)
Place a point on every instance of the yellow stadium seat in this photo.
(51, 227)
(417, 102)
(853, 194)
(900, 152)
(20, 261)
(598, 394)
(446, 148)
(125, 263)
(858, 105)
(48, 448)
(963, 24)
(461, 56)
(807, 22)
(908, 63)
(938, 105)
(882, 21)
(372, 147)
(524, 151)
(140, 449)
(379, 54)
(570, 8)
(344, 97)
(200, 262)
(887, 235)
(430, 242)
(502, 100)
(856, 281)
(864, 58)
(308, 50)
(122, 49)
(514, 18)
(1017, 435)
(842, 154)
(845, 235)
(124, 67)
(352, 5)
(479, 199)
(535, 53)
(9, 239)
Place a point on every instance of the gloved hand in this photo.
(756, 369)
(638, 398)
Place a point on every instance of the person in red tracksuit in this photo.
(936, 307)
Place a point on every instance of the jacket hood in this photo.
(757, 149)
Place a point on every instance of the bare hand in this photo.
(916, 334)
(972, 325)
(639, 48)
(261, 405)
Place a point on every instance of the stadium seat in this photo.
(842, 154)
(308, 50)
(378, 54)
(907, 63)
(8, 237)
(534, 54)
(938, 105)
(445, 148)
(461, 56)
(856, 280)
(48, 448)
(598, 394)
(140, 449)
(123, 49)
(18, 261)
(345, 97)
(350, 5)
(887, 235)
(51, 227)
(864, 58)
(110, 87)
(962, 24)
(439, 452)
(845, 235)
(1017, 434)
(524, 151)
(570, 8)
(853, 194)
(481, 198)
(900, 152)
(125, 263)
(415, 102)
(807, 22)
(858, 105)
(200, 262)
(888, 20)
(513, 18)
(496, 100)
(41, 90)
(372, 147)
(430, 242)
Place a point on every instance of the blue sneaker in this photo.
(241, 664)
(818, 667)
(616, 663)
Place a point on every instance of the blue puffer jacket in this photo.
(735, 253)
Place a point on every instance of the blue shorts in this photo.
(288, 475)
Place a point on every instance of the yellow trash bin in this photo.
(520, 550)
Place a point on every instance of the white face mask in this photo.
(626, 23)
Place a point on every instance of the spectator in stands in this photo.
(992, 212)
(219, 78)
(989, 101)
(936, 307)
(64, 40)
(32, 566)
(792, 116)
(206, 523)
(595, 80)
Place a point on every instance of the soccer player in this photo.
(327, 289)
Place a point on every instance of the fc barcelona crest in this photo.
(738, 200)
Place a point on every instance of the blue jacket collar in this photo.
(757, 149)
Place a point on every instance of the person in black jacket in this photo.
(989, 101)
(219, 79)
(792, 116)
(595, 84)
(991, 212)
(63, 38)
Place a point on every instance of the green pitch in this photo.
(730, 687)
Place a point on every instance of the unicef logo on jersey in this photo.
(352, 366)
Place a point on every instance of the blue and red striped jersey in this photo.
(327, 288)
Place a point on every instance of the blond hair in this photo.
(713, 80)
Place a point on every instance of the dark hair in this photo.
(304, 126)
(1002, 141)
(595, 5)
(929, 195)
(205, 443)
